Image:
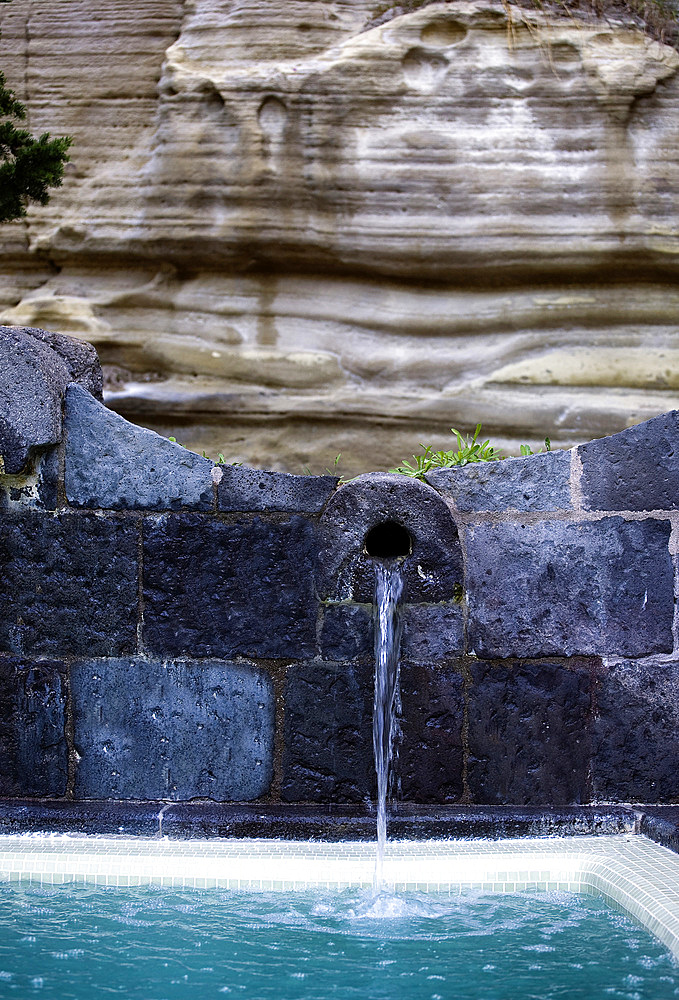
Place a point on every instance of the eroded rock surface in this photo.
(35, 368)
(298, 229)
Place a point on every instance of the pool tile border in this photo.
(633, 873)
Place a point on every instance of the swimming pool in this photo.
(531, 898)
(157, 943)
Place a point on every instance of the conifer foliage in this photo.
(28, 166)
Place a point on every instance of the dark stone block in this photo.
(636, 733)
(430, 751)
(328, 753)
(661, 823)
(48, 480)
(113, 464)
(347, 631)
(216, 589)
(148, 730)
(242, 489)
(539, 482)
(637, 469)
(529, 739)
(33, 755)
(68, 584)
(431, 572)
(432, 632)
(35, 368)
(562, 588)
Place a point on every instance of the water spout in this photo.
(388, 589)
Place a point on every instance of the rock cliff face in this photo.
(294, 229)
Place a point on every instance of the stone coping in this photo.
(333, 822)
(630, 871)
(329, 822)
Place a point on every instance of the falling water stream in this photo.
(388, 589)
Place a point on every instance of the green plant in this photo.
(220, 460)
(335, 471)
(331, 472)
(469, 450)
(28, 166)
(526, 449)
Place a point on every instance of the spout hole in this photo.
(388, 540)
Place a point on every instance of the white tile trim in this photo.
(633, 873)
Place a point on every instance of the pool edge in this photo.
(631, 872)
(309, 821)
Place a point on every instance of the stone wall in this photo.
(294, 229)
(173, 630)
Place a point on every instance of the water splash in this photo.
(388, 590)
(382, 906)
(168, 805)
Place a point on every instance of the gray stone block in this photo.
(68, 584)
(328, 753)
(430, 751)
(35, 368)
(242, 489)
(529, 739)
(433, 569)
(432, 632)
(225, 589)
(636, 733)
(347, 631)
(563, 588)
(637, 469)
(150, 730)
(538, 482)
(33, 755)
(113, 464)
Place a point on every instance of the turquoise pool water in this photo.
(77, 943)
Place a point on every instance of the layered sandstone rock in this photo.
(294, 229)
